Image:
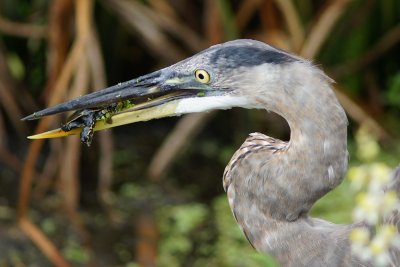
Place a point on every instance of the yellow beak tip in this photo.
(54, 134)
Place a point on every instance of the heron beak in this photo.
(153, 109)
(156, 95)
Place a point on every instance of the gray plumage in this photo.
(271, 184)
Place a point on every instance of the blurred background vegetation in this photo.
(150, 194)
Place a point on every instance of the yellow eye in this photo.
(202, 76)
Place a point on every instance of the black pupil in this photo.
(201, 76)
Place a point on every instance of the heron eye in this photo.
(202, 76)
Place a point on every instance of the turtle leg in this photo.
(89, 121)
(72, 125)
(87, 135)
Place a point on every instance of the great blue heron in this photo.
(271, 184)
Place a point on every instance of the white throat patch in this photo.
(200, 104)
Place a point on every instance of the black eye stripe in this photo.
(231, 56)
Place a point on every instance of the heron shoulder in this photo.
(254, 143)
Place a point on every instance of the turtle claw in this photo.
(87, 135)
(86, 120)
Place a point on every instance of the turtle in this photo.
(87, 118)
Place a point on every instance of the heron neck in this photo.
(316, 154)
(315, 160)
(272, 197)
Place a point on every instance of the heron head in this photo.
(215, 78)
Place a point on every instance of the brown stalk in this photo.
(96, 62)
(45, 245)
(272, 31)
(176, 142)
(293, 22)
(322, 27)
(70, 171)
(83, 19)
(212, 23)
(245, 12)
(163, 7)
(59, 40)
(176, 28)
(59, 91)
(359, 115)
(34, 233)
(150, 33)
(147, 238)
(36, 145)
(24, 30)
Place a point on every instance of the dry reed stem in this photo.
(360, 115)
(69, 173)
(150, 33)
(163, 7)
(43, 243)
(292, 19)
(147, 238)
(59, 39)
(322, 27)
(176, 28)
(212, 23)
(245, 13)
(24, 30)
(35, 146)
(96, 62)
(59, 91)
(176, 142)
(32, 155)
(273, 30)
